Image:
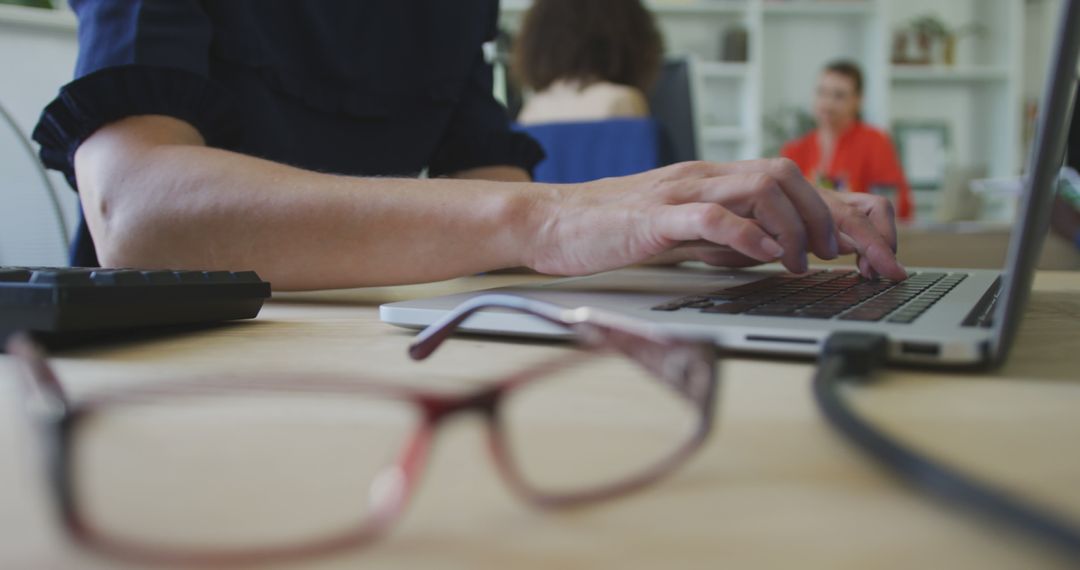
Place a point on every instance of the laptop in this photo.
(939, 316)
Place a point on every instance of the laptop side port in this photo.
(920, 348)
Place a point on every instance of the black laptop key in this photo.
(775, 310)
(733, 308)
(866, 315)
(844, 295)
(818, 313)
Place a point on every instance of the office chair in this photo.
(671, 106)
(590, 150)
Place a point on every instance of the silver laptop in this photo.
(938, 316)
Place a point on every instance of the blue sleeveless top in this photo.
(355, 87)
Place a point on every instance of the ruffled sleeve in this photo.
(112, 93)
(136, 57)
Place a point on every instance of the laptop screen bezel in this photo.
(1047, 156)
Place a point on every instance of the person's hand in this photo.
(866, 225)
(734, 215)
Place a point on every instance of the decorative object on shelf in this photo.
(734, 44)
(785, 124)
(956, 202)
(927, 40)
(923, 147)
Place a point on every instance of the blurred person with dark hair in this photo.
(587, 61)
(844, 153)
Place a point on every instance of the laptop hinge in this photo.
(982, 315)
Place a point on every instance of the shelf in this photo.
(721, 70)
(703, 7)
(942, 74)
(38, 18)
(661, 7)
(818, 8)
(723, 135)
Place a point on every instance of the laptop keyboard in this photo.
(843, 295)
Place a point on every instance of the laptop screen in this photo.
(1041, 181)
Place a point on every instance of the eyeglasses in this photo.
(242, 470)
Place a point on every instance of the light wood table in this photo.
(773, 488)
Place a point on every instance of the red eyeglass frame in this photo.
(687, 366)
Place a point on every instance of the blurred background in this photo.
(954, 83)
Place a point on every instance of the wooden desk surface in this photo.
(773, 488)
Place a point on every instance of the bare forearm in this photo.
(496, 173)
(154, 195)
(191, 206)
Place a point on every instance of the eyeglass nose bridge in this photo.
(438, 409)
(485, 404)
(394, 487)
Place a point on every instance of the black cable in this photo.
(853, 358)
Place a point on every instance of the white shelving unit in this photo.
(979, 98)
(828, 8)
(954, 74)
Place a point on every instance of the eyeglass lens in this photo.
(262, 470)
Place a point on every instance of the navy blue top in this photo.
(357, 87)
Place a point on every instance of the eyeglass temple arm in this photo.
(45, 383)
(658, 356)
(429, 339)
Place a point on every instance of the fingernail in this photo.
(804, 263)
(834, 247)
(772, 248)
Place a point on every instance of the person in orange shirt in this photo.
(845, 153)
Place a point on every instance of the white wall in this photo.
(37, 56)
(1040, 24)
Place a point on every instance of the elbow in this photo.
(122, 232)
(119, 248)
(123, 175)
(117, 232)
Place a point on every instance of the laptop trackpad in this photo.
(641, 287)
